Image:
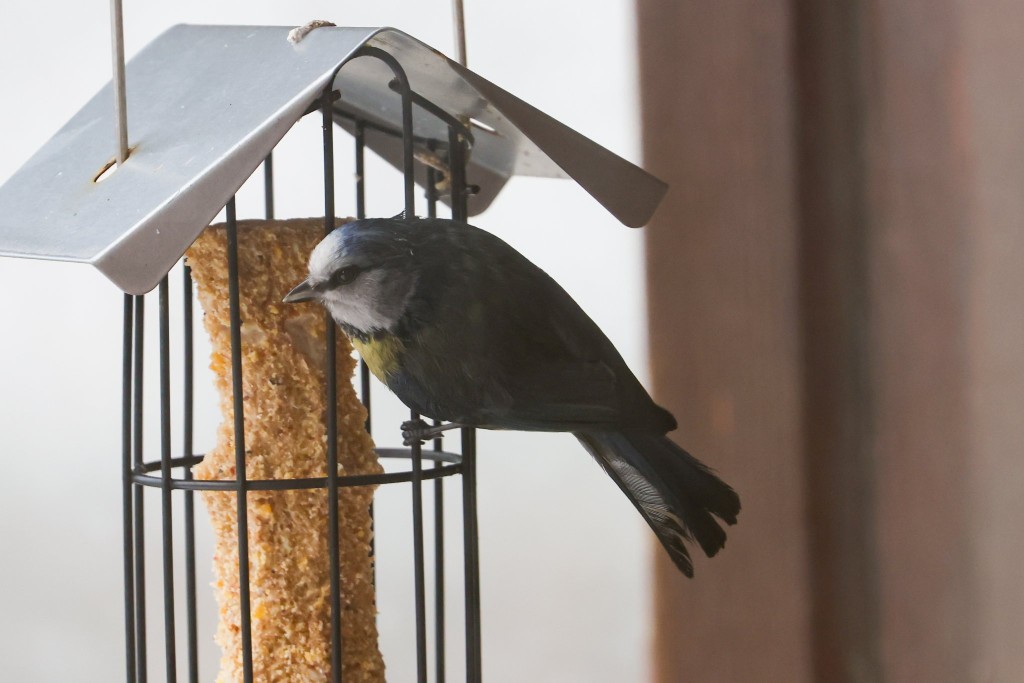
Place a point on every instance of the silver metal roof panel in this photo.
(206, 104)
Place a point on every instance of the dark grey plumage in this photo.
(465, 329)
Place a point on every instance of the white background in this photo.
(564, 555)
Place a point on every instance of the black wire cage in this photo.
(140, 472)
(491, 136)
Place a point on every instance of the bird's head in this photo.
(363, 273)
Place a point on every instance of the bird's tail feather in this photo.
(677, 494)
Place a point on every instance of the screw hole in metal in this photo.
(105, 172)
(108, 169)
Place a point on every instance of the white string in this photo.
(459, 17)
(120, 99)
(296, 35)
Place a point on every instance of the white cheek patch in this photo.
(360, 304)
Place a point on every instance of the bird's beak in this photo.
(303, 292)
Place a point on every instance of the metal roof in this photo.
(206, 104)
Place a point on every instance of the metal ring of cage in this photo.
(445, 465)
(137, 471)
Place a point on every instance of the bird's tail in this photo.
(678, 495)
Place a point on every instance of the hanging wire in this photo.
(459, 18)
(120, 98)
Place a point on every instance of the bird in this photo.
(466, 330)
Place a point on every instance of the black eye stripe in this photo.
(344, 276)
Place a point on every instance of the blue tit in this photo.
(466, 330)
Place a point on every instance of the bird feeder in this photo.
(207, 105)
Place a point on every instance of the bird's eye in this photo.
(344, 276)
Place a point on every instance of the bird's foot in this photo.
(418, 431)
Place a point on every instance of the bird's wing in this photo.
(493, 340)
(489, 366)
(553, 363)
(555, 396)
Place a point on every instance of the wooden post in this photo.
(835, 289)
(722, 255)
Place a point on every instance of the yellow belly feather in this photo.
(381, 355)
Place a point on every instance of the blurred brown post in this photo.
(837, 318)
(722, 262)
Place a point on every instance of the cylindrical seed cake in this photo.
(285, 437)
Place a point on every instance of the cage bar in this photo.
(439, 614)
(187, 417)
(332, 406)
(268, 186)
(239, 426)
(126, 491)
(409, 186)
(139, 516)
(167, 537)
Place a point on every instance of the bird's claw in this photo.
(417, 431)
